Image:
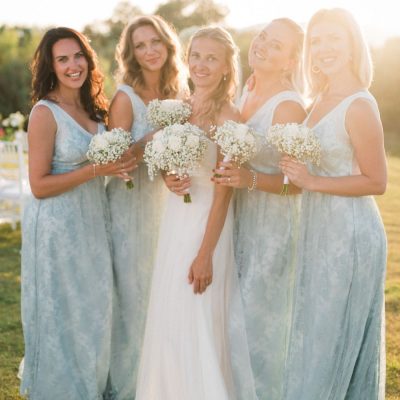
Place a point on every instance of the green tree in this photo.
(17, 45)
(186, 13)
(386, 83)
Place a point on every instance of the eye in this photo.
(156, 41)
(139, 46)
(276, 46)
(194, 56)
(62, 59)
(211, 58)
(79, 55)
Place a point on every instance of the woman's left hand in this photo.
(232, 176)
(297, 172)
(200, 272)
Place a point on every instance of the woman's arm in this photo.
(241, 178)
(121, 113)
(201, 270)
(200, 273)
(366, 135)
(41, 136)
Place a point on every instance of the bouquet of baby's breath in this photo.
(175, 149)
(297, 141)
(109, 146)
(237, 142)
(161, 113)
(11, 125)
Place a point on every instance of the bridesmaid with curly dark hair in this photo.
(66, 258)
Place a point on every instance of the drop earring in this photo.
(315, 69)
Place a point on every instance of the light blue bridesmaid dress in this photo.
(336, 349)
(67, 280)
(266, 226)
(135, 217)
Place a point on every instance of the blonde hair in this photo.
(361, 59)
(173, 80)
(294, 78)
(226, 90)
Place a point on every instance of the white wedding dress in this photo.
(187, 352)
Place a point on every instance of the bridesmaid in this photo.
(266, 223)
(66, 258)
(336, 347)
(150, 67)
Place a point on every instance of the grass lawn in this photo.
(11, 346)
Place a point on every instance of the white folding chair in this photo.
(14, 183)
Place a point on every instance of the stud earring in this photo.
(224, 78)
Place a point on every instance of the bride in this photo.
(187, 352)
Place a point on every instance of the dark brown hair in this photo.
(44, 79)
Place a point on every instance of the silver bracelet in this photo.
(253, 181)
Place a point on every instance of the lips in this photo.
(74, 75)
(200, 74)
(153, 60)
(259, 55)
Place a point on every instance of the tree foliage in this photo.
(186, 13)
(17, 46)
(386, 84)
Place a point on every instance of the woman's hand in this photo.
(231, 175)
(296, 172)
(119, 168)
(201, 272)
(179, 186)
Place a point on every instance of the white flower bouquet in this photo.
(175, 149)
(237, 142)
(11, 125)
(109, 146)
(161, 113)
(297, 141)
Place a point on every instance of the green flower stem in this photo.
(285, 189)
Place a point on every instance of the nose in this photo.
(150, 49)
(74, 62)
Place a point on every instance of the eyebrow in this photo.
(65, 55)
(266, 34)
(142, 41)
(206, 55)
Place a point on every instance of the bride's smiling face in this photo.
(207, 62)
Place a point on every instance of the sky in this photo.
(378, 18)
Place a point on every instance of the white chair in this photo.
(14, 183)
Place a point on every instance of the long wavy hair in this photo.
(226, 90)
(44, 79)
(294, 77)
(173, 82)
(361, 63)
